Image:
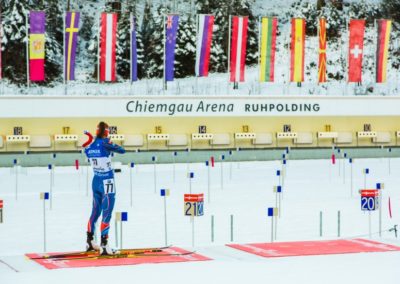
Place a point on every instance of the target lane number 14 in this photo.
(194, 204)
(369, 199)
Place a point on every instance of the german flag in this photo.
(297, 50)
(322, 51)
(384, 28)
(268, 49)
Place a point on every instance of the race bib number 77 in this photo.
(109, 186)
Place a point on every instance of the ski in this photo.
(96, 253)
(122, 255)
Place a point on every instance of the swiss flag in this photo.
(356, 49)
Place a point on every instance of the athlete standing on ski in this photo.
(103, 185)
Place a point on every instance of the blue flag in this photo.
(170, 41)
(133, 50)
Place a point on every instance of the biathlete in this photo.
(98, 151)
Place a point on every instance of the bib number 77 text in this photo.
(109, 186)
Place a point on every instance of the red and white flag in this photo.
(356, 49)
(238, 48)
(108, 40)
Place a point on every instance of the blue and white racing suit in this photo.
(103, 184)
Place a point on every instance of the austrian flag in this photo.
(108, 40)
(238, 48)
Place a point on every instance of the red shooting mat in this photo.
(138, 259)
(314, 247)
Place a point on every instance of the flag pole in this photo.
(98, 49)
(1, 63)
(197, 42)
(65, 71)
(164, 73)
(289, 55)
(347, 46)
(27, 51)
(376, 48)
(132, 26)
(319, 54)
(259, 54)
(229, 50)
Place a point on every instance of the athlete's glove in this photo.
(90, 139)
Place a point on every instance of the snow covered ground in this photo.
(310, 187)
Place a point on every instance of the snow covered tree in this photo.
(220, 41)
(391, 10)
(14, 40)
(222, 9)
(244, 8)
(87, 45)
(185, 58)
(307, 11)
(153, 40)
(364, 10)
(124, 40)
(54, 41)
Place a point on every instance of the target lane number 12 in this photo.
(194, 204)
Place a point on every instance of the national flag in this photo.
(267, 49)
(322, 51)
(203, 48)
(384, 28)
(133, 50)
(108, 41)
(238, 48)
(71, 40)
(356, 45)
(172, 22)
(297, 50)
(37, 20)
